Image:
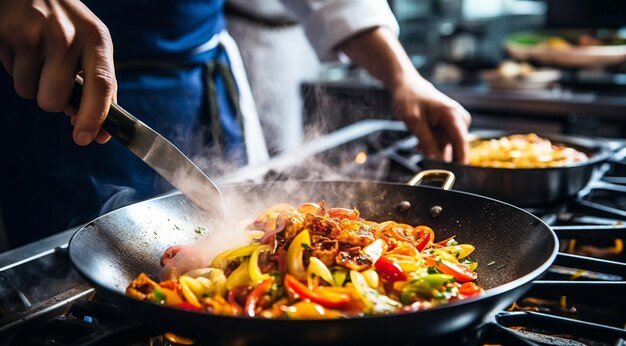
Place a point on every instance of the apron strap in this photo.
(213, 69)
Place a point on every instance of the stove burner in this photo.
(579, 300)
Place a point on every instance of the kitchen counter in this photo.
(597, 110)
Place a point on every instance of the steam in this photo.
(118, 196)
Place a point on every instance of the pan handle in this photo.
(434, 174)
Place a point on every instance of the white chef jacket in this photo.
(326, 23)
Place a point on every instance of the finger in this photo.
(427, 142)
(26, 69)
(56, 83)
(59, 70)
(70, 111)
(6, 58)
(456, 130)
(102, 137)
(98, 90)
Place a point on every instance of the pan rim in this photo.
(489, 293)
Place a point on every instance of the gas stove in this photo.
(580, 300)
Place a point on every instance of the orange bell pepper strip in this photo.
(325, 298)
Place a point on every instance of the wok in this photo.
(529, 186)
(513, 248)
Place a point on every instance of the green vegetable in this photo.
(158, 296)
(426, 286)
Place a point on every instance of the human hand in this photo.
(439, 122)
(44, 44)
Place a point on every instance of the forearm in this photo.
(380, 53)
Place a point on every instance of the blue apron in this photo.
(49, 183)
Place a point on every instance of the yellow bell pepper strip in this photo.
(295, 266)
(323, 297)
(317, 268)
(389, 270)
(375, 302)
(459, 251)
(221, 261)
(253, 300)
(253, 265)
(239, 277)
(460, 271)
(372, 277)
(304, 310)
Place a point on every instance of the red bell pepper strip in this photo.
(325, 298)
(253, 299)
(389, 270)
(461, 272)
(188, 306)
(428, 235)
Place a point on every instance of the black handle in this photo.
(119, 123)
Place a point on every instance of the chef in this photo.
(179, 71)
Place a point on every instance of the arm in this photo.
(44, 44)
(439, 122)
(365, 30)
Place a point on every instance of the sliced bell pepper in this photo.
(253, 299)
(295, 266)
(426, 234)
(309, 310)
(188, 306)
(470, 289)
(389, 270)
(460, 271)
(323, 297)
(221, 261)
(253, 266)
(459, 251)
(239, 277)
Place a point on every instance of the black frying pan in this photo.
(513, 248)
(529, 186)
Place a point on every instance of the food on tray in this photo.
(520, 75)
(566, 40)
(522, 151)
(512, 69)
(315, 262)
